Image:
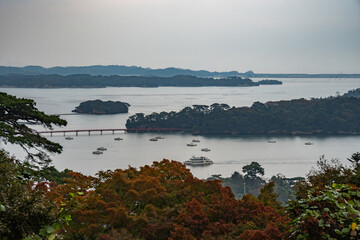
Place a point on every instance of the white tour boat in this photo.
(198, 161)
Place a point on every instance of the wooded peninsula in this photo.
(333, 115)
(89, 81)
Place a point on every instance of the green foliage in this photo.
(47, 232)
(284, 187)
(101, 107)
(51, 174)
(253, 181)
(253, 170)
(50, 232)
(268, 197)
(235, 182)
(327, 204)
(317, 116)
(24, 207)
(16, 115)
(330, 213)
(2, 208)
(355, 160)
(327, 173)
(353, 93)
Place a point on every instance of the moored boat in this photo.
(205, 149)
(97, 152)
(195, 140)
(153, 139)
(191, 144)
(309, 143)
(272, 141)
(159, 137)
(101, 149)
(69, 138)
(198, 161)
(118, 139)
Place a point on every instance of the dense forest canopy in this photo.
(102, 107)
(335, 115)
(353, 93)
(85, 80)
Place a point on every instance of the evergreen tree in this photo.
(16, 117)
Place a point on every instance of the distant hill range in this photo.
(140, 71)
(86, 81)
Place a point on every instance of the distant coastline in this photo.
(89, 81)
(122, 70)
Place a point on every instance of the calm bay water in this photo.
(289, 155)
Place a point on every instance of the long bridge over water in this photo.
(113, 130)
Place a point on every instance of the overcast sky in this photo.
(274, 36)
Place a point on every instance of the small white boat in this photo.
(118, 139)
(195, 140)
(205, 149)
(309, 143)
(272, 141)
(97, 152)
(191, 144)
(101, 149)
(69, 138)
(153, 139)
(159, 137)
(198, 161)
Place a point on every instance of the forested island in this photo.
(334, 115)
(102, 107)
(89, 81)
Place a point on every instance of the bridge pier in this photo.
(51, 134)
(89, 133)
(101, 132)
(113, 131)
(64, 134)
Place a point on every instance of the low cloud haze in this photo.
(274, 36)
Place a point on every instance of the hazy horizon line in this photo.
(163, 68)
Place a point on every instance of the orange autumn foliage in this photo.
(161, 201)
